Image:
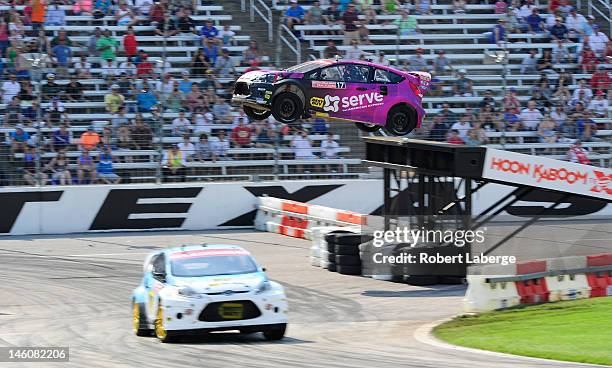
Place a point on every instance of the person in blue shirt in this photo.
(559, 31)
(104, 168)
(294, 14)
(208, 30)
(19, 139)
(62, 54)
(535, 22)
(185, 84)
(211, 50)
(146, 99)
(498, 34)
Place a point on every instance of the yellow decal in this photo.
(316, 102)
(321, 114)
(231, 310)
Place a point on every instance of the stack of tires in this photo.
(343, 253)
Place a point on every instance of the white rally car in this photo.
(202, 288)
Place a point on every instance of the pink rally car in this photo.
(371, 95)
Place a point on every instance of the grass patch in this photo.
(576, 331)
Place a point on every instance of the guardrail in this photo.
(294, 46)
(267, 17)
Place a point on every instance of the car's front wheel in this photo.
(275, 332)
(160, 330)
(369, 128)
(139, 325)
(287, 107)
(255, 114)
(401, 120)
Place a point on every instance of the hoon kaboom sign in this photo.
(548, 173)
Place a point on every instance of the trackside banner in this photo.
(548, 173)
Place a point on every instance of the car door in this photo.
(155, 280)
(324, 87)
(387, 83)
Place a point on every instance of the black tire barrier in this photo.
(331, 247)
(343, 260)
(332, 267)
(330, 235)
(331, 257)
(347, 250)
(348, 239)
(349, 270)
(420, 280)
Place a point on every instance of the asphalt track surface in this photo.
(75, 291)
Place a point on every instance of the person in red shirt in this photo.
(454, 137)
(588, 59)
(600, 79)
(241, 135)
(130, 44)
(145, 67)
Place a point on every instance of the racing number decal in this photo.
(340, 85)
(316, 102)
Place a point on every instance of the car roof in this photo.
(184, 248)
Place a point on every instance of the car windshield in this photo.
(210, 265)
(305, 67)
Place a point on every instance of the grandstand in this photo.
(138, 86)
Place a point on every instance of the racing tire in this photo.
(342, 260)
(139, 326)
(254, 114)
(287, 107)
(368, 128)
(161, 333)
(331, 257)
(420, 280)
(349, 270)
(331, 247)
(332, 267)
(345, 239)
(276, 332)
(401, 120)
(347, 250)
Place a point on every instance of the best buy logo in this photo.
(316, 102)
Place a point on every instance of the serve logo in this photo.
(361, 101)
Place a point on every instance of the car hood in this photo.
(222, 283)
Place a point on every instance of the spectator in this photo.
(29, 168)
(89, 139)
(535, 22)
(219, 146)
(488, 100)
(598, 41)
(142, 7)
(252, 55)
(241, 135)
(92, 43)
(587, 129)
(423, 7)
(61, 138)
(102, 8)
(19, 139)
(55, 16)
(203, 149)
(294, 14)
(439, 129)
(104, 168)
(354, 52)
(583, 87)
(82, 68)
(187, 148)
(211, 50)
(472, 138)
(463, 86)
(546, 130)
(202, 123)
(529, 64)
(541, 101)
(560, 53)
(200, 64)
(144, 67)
(601, 79)
(109, 70)
(175, 99)
(208, 30)
(558, 115)
(146, 99)
(331, 15)
(142, 135)
(407, 24)
(174, 163)
(114, 100)
(224, 66)
(526, 9)
(389, 6)
(459, 6)
(462, 126)
(10, 89)
(382, 60)
(574, 23)
(74, 90)
(130, 44)
(599, 105)
(578, 154)
(530, 117)
(124, 139)
(157, 12)
(223, 112)
(86, 167)
(264, 135)
(226, 36)
(545, 63)
(58, 166)
(498, 34)
(417, 62)
(184, 22)
(119, 118)
(181, 124)
(329, 147)
(330, 51)
(559, 31)
(314, 14)
(514, 23)
(302, 146)
(56, 111)
(500, 7)
(454, 138)
(166, 28)
(107, 46)
(350, 19)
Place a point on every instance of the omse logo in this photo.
(352, 102)
(316, 102)
(331, 103)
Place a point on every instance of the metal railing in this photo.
(259, 7)
(603, 8)
(289, 40)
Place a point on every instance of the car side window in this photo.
(356, 73)
(385, 76)
(159, 264)
(331, 73)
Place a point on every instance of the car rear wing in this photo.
(422, 80)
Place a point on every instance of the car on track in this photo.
(371, 95)
(203, 288)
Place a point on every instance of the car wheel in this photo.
(401, 120)
(255, 114)
(287, 107)
(160, 331)
(276, 332)
(369, 128)
(139, 326)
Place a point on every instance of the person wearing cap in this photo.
(463, 86)
(51, 89)
(114, 99)
(514, 24)
(224, 66)
(498, 33)
(417, 62)
(107, 46)
(559, 31)
(294, 14)
(86, 168)
(598, 40)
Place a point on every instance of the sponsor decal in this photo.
(208, 253)
(316, 102)
(13, 202)
(539, 171)
(321, 114)
(603, 182)
(355, 102)
(328, 85)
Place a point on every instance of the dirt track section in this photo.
(75, 291)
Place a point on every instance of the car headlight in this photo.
(263, 287)
(268, 78)
(187, 292)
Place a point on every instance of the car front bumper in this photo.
(256, 95)
(189, 313)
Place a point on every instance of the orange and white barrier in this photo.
(297, 219)
(538, 281)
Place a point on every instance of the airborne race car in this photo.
(203, 288)
(371, 95)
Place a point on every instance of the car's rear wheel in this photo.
(370, 128)
(275, 332)
(139, 325)
(401, 120)
(255, 114)
(287, 107)
(160, 330)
